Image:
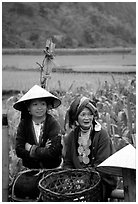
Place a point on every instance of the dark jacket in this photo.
(41, 157)
(101, 149)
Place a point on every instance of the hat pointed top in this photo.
(124, 158)
(37, 92)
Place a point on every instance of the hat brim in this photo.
(37, 92)
(124, 158)
(22, 105)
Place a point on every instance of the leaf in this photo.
(133, 98)
(99, 106)
(108, 121)
(122, 117)
(119, 118)
(134, 140)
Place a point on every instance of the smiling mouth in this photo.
(86, 123)
(40, 112)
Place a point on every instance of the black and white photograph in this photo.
(68, 101)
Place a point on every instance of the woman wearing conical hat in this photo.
(38, 141)
(87, 144)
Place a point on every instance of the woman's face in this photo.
(85, 118)
(37, 108)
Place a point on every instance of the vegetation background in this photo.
(78, 25)
(70, 24)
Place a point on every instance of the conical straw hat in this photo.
(124, 158)
(34, 93)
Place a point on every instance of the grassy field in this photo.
(69, 51)
(91, 66)
(20, 72)
(23, 80)
(99, 62)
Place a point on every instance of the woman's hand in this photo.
(48, 143)
(28, 146)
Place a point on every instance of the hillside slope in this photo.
(70, 24)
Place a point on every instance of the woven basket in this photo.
(72, 185)
(21, 189)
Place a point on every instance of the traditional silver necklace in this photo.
(84, 144)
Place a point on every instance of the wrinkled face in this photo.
(37, 108)
(85, 118)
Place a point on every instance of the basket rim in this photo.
(17, 199)
(68, 194)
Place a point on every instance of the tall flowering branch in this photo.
(47, 63)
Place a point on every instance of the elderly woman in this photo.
(88, 144)
(38, 141)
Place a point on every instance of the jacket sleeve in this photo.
(103, 148)
(55, 149)
(20, 141)
(68, 160)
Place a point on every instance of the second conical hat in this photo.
(34, 93)
(124, 158)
